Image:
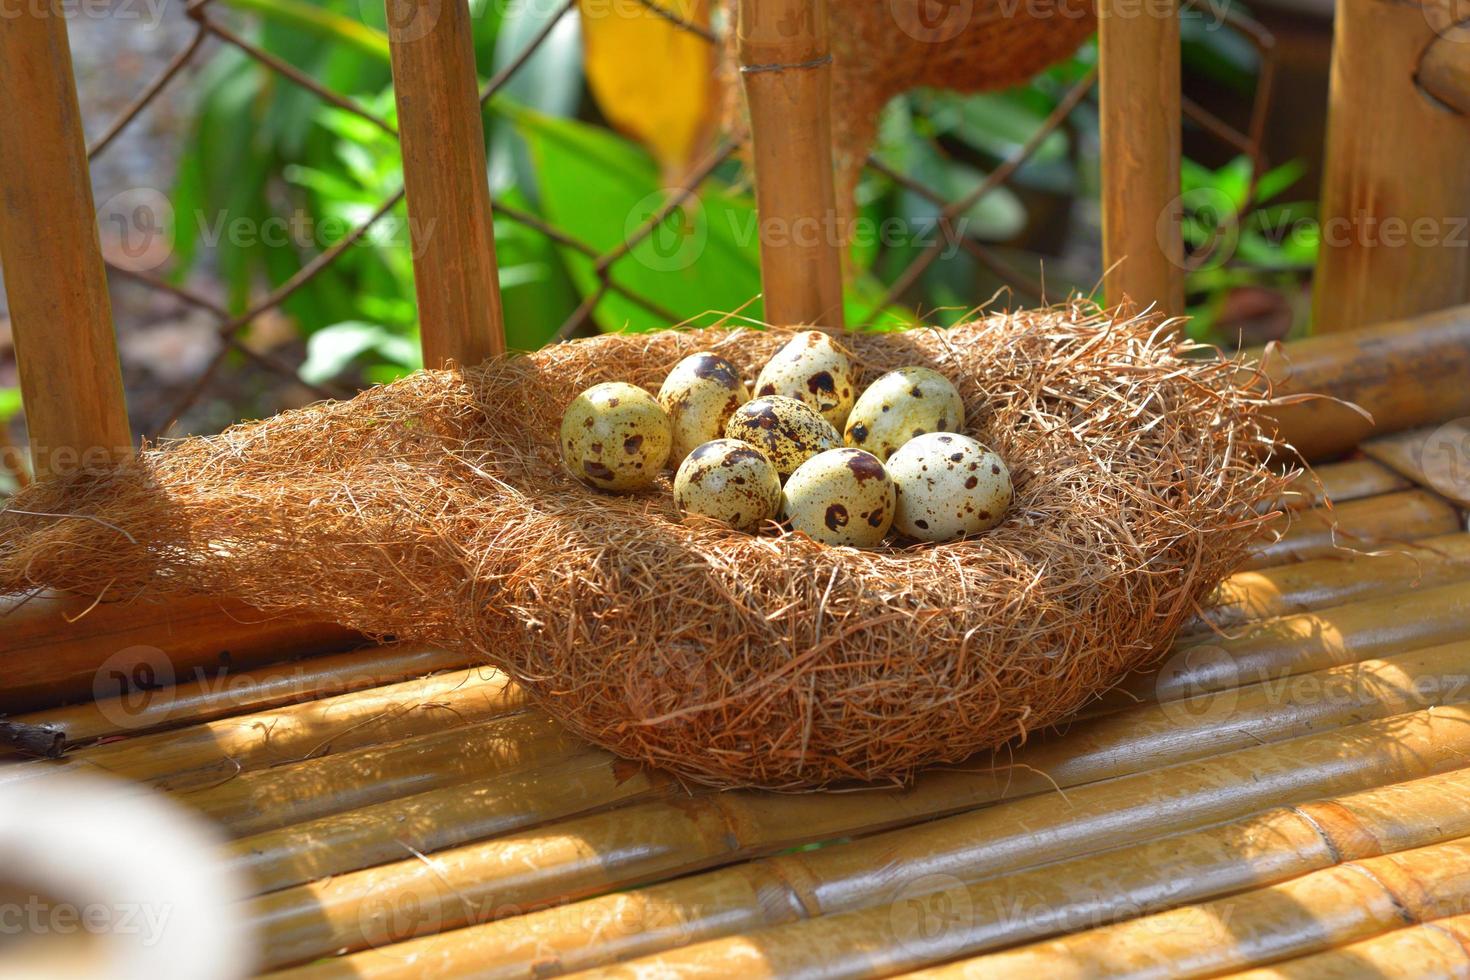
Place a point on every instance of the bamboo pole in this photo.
(1361, 899)
(1325, 582)
(444, 178)
(193, 702)
(268, 799)
(1138, 97)
(1436, 949)
(1351, 479)
(511, 876)
(1405, 374)
(59, 648)
(56, 285)
(432, 821)
(1395, 190)
(1121, 744)
(786, 67)
(916, 927)
(1431, 457)
(204, 753)
(1358, 525)
(1304, 642)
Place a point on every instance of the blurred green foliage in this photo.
(260, 148)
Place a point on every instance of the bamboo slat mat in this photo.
(1288, 794)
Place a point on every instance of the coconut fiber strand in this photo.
(436, 509)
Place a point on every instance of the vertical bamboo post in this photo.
(444, 178)
(60, 314)
(786, 65)
(1138, 90)
(1396, 185)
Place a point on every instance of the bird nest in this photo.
(436, 509)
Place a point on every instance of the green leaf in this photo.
(1278, 180)
(598, 188)
(9, 403)
(331, 350)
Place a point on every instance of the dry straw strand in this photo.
(435, 509)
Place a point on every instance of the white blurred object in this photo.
(98, 880)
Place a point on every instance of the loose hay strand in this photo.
(436, 510)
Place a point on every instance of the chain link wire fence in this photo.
(214, 29)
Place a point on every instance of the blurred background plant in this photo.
(612, 111)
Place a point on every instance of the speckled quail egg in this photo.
(730, 481)
(900, 405)
(700, 394)
(841, 496)
(948, 485)
(789, 432)
(615, 436)
(812, 368)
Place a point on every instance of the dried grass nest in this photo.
(436, 509)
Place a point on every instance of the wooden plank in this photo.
(786, 66)
(56, 285)
(455, 273)
(1396, 191)
(1138, 96)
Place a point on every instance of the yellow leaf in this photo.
(652, 79)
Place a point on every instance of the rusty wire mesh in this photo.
(951, 233)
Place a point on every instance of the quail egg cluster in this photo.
(809, 451)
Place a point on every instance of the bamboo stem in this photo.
(917, 927)
(1251, 596)
(444, 178)
(1351, 479)
(268, 799)
(1138, 94)
(1360, 899)
(208, 699)
(1405, 374)
(206, 753)
(1301, 643)
(1437, 949)
(432, 821)
(1358, 525)
(593, 855)
(1117, 745)
(59, 648)
(1395, 191)
(786, 66)
(55, 281)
